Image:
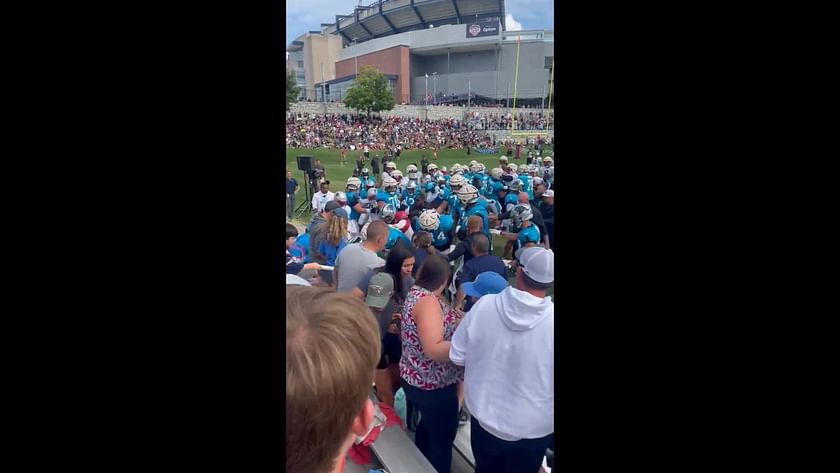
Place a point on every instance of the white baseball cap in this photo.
(295, 280)
(548, 193)
(537, 263)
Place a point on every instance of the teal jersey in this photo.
(410, 198)
(353, 199)
(394, 236)
(526, 186)
(510, 198)
(440, 237)
(366, 180)
(453, 204)
(529, 234)
(479, 209)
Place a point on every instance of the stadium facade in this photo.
(431, 51)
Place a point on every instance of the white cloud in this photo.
(511, 24)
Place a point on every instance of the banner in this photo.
(483, 28)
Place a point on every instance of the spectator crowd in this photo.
(393, 283)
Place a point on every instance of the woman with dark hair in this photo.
(428, 377)
(385, 290)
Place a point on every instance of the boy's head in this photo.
(332, 349)
(291, 235)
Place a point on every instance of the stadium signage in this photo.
(483, 28)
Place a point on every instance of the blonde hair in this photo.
(332, 349)
(336, 230)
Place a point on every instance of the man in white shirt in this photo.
(320, 199)
(506, 345)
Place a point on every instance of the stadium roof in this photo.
(387, 17)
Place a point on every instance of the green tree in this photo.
(370, 92)
(292, 90)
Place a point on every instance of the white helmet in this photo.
(455, 168)
(432, 167)
(387, 213)
(411, 185)
(503, 159)
(468, 194)
(473, 162)
(515, 184)
(341, 197)
(475, 167)
(496, 173)
(396, 174)
(390, 165)
(456, 181)
(390, 184)
(371, 184)
(353, 184)
(548, 160)
(513, 167)
(520, 214)
(537, 180)
(411, 168)
(429, 220)
(365, 171)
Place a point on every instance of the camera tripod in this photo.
(305, 207)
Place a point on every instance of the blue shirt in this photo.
(331, 251)
(394, 236)
(480, 264)
(291, 185)
(440, 237)
(301, 247)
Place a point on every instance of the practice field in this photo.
(337, 174)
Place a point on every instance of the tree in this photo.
(370, 92)
(292, 90)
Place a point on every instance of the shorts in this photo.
(391, 351)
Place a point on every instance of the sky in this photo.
(306, 15)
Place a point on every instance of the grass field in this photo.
(337, 174)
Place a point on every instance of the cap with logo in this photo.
(331, 205)
(537, 263)
(380, 289)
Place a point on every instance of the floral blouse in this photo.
(416, 368)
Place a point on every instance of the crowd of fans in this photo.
(379, 133)
(394, 282)
(505, 121)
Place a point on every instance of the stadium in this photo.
(432, 51)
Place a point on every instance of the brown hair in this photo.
(474, 224)
(433, 273)
(336, 230)
(332, 349)
(423, 240)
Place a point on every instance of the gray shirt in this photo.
(353, 263)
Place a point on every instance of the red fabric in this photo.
(360, 453)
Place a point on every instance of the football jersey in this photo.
(394, 236)
(529, 234)
(410, 198)
(353, 199)
(366, 180)
(526, 186)
(440, 237)
(476, 209)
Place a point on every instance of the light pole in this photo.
(356, 57)
(434, 87)
(426, 95)
(323, 84)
